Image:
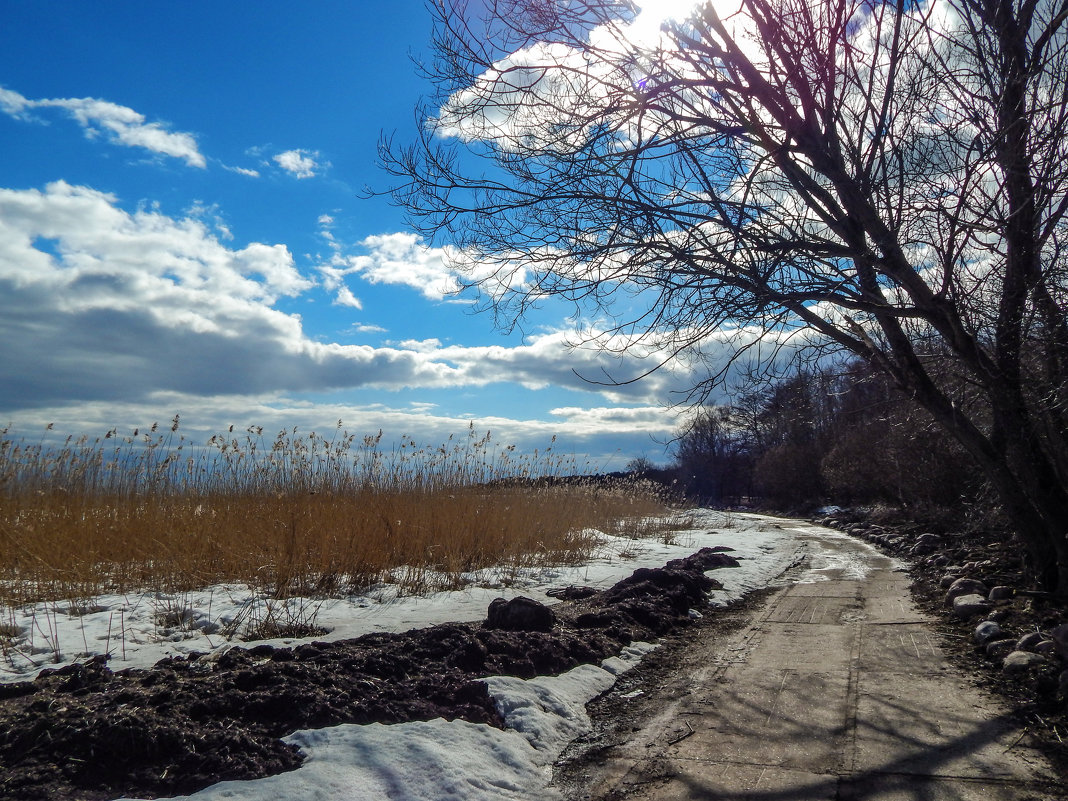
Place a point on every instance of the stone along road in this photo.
(837, 689)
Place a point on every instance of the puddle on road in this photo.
(827, 555)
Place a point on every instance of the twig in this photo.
(1017, 740)
(682, 736)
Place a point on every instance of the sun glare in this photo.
(653, 13)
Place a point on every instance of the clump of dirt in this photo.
(86, 732)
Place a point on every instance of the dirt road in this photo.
(834, 687)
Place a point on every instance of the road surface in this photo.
(836, 690)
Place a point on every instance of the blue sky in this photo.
(182, 231)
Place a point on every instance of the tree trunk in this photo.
(1039, 515)
(1021, 472)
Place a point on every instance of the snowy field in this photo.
(423, 760)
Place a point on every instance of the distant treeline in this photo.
(839, 435)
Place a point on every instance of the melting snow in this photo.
(425, 760)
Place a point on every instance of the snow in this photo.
(445, 760)
(425, 760)
(138, 630)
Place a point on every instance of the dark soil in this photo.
(86, 732)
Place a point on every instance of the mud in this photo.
(87, 732)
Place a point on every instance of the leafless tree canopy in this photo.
(888, 179)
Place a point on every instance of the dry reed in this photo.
(302, 514)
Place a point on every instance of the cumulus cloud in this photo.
(403, 258)
(549, 93)
(560, 359)
(121, 124)
(400, 258)
(100, 303)
(299, 163)
(112, 317)
(346, 298)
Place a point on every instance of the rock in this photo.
(947, 580)
(987, 631)
(926, 544)
(1001, 593)
(1046, 648)
(1046, 678)
(966, 606)
(1021, 662)
(1060, 641)
(965, 586)
(999, 649)
(1029, 641)
(519, 614)
(1062, 684)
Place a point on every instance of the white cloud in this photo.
(614, 418)
(12, 102)
(398, 258)
(608, 445)
(123, 125)
(421, 345)
(548, 94)
(97, 302)
(243, 171)
(300, 163)
(653, 13)
(200, 210)
(100, 303)
(112, 317)
(346, 298)
(402, 258)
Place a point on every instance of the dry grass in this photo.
(302, 514)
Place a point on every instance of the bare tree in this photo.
(714, 458)
(884, 178)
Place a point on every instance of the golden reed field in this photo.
(299, 514)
